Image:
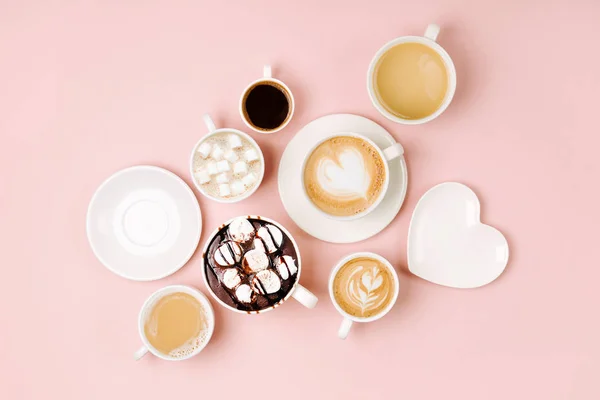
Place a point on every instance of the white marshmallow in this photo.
(231, 156)
(240, 168)
(249, 179)
(235, 141)
(255, 260)
(231, 278)
(223, 166)
(217, 153)
(237, 187)
(228, 254)
(259, 245)
(222, 178)
(224, 190)
(271, 236)
(241, 230)
(286, 266)
(266, 282)
(202, 176)
(244, 294)
(211, 168)
(251, 155)
(204, 149)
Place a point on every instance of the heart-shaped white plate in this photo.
(448, 244)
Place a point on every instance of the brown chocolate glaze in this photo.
(261, 302)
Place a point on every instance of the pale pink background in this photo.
(87, 88)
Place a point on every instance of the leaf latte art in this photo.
(363, 287)
(344, 175)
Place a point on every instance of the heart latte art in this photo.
(344, 175)
(363, 287)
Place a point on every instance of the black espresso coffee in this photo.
(266, 106)
(251, 264)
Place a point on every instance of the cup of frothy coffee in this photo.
(251, 264)
(363, 288)
(175, 323)
(345, 176)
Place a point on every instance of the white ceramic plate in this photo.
(298, 206)
(448, 244)
(144, 223)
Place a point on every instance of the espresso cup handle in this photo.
(140, 353)
(345, 328)
(210, 125)
(432, 32)
(394, 151)
(267, 72)
(305, 297)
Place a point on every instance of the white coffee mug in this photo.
(298, 292)
(149, 305)
(429, 40)
(212, 131)
(392, 152)
(267, 77)
(350, 319)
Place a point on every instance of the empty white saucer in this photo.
(298, 206)
(144, 223)
(448, 244)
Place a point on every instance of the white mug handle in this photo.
(395, 150)
(210, 125)
(432, 32)
(142, 351)
(304, 296)
(345, 328)
(267, 72)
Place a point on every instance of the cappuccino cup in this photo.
(411, 79)
(346, 175)
(175, 323)
(363, 288)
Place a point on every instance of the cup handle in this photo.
(305, 297)
(140, 353)
(394, 151)
(267, 72)
(432, 32)
(210, 125)
(345, 328)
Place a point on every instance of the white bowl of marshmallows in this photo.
(226, 165)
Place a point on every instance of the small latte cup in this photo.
(349, 319)
(390, 153)
(147, 308)
(428, 39)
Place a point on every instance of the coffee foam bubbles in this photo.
(344, 175)
(190, 347)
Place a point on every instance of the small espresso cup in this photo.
(363, 288)
(252, 264)
(267, 104)
(149, 305)
(247, 179)
(389, 153)
(429, 40)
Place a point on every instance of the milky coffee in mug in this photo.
(363, 288)
(412, 79)
(346, 175)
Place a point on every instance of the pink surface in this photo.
(89, 88)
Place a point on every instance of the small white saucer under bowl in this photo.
(298, 206)
(144, 223)
(448, 244)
